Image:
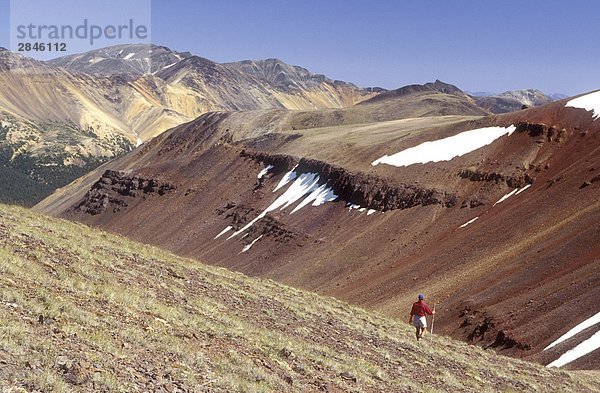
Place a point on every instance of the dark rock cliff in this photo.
(113, 190)
(359, 188)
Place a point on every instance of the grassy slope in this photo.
(85, 310)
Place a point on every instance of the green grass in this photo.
(139, 318)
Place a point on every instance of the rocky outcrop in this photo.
(374, 192)
(113, 190)
(549, 133)
(533, 129)
(239, 215)
(480, 327)
(280, 162)
(362, 189)
(514, 180)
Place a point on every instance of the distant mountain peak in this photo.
(529, 97)
(103, 102)
(430, 87)
(512, 100)
(279, 73)
(129, 60)
(444, 87)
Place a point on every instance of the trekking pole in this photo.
(432, 319)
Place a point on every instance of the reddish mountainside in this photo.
(509, 280)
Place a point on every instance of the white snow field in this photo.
(505, 197)
(447, 148)
(468, 222)
(249, 246)
(304, 184)
(579, 328)
(288, 177)
(224, 231)
(589, 102)
(523, 189)
(583, 348)
(265, 171)
(317, 197)
(164, 68)
(516, 191)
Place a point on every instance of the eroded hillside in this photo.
(504, 236)
(83, 310)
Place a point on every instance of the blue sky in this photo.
(477, 45)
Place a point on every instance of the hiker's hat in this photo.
(421, 296)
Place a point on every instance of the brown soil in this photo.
(508, 281)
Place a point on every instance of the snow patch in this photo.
(516, 191)
(138, 142)
(129, 56)
(246, 248)
(265, 171)
(468, 222)
(523, 189)
(164, 68)
(224, 231)
(585, 347)
(447, 148)
(589, 102)
(324, 196)
(352, 206)
(318, 197)
(505, 197)
(304, 184)
(288, 177)
(579, 328)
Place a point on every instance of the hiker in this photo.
(417, 316)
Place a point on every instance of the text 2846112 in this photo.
(42, 47)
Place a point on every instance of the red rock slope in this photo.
(515, 279)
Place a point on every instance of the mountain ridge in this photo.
(70, 114)
(94, 118)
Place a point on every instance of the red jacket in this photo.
(421, 309)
